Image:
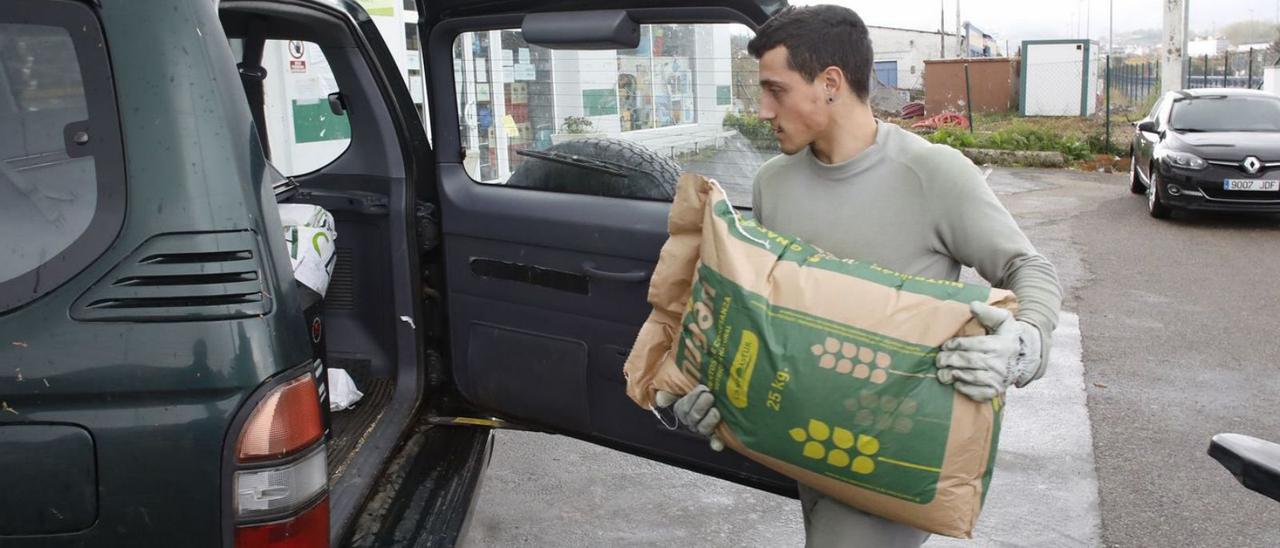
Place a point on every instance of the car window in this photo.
(1155, 109)
(61, 166)
(684, 100)
(304, 132)
(1226, 113)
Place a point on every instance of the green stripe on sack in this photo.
(788, 248)
(998, 408)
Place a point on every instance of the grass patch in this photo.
(1078, 138)
(1017, 136)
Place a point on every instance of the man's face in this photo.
(797, 109)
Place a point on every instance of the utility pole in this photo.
(1088, 20)
(942, 28)
(1175, 45)
(1111, 26)
(960, 50)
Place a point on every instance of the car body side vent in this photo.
(182, 277)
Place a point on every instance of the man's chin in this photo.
(789, 149)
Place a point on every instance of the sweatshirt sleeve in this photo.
(975, 228)
(757, 204)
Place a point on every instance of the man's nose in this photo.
(766, 111)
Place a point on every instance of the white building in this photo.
(1206, 46)
(900, 53)
(1258, 47)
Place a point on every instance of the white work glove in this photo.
(982, 367)
(696, 410)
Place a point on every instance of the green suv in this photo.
(161, 373)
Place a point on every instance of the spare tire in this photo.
(647, 174)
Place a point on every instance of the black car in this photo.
(1209, 149)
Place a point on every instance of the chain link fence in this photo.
(1133, 84)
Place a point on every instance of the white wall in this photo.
(1271, 80)
(1054, 81)
(1210, 47)
(714, 69)
(910, 49)
(281, 87)
(575, 71)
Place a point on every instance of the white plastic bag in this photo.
(310, 236)
(342, 390)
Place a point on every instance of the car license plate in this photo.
(1251, 184)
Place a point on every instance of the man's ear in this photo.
(833, 81)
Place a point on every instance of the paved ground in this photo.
(1169, 333)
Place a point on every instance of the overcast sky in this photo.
(1017, 20)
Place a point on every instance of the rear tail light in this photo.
(267, 491)
(285, 422)
(281, 478)
(306, 530)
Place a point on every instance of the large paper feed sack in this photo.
(822, 367)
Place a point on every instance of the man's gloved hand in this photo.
(696, 410)
(982, 367)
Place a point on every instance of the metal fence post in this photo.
(1206, 70)
(1146, 73)
(1124, 83)
(1107, 86)
(1249, 84)
(1146, 82)
(1226, 67)
(968, 98)
(1124, 80)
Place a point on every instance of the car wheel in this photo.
(1135, 183)
(648, 174)
(1155, 205)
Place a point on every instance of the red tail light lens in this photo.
(310, 529)
(285, 422)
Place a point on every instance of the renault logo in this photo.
(1251, 165)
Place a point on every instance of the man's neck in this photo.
(851, 133)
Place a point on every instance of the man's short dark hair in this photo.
(818, 37)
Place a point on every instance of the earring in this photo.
(830, 100)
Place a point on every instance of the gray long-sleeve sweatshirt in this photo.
(914, 207)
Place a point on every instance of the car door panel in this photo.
(546, 292)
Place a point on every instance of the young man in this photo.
(865, 189)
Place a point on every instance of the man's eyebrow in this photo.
(768, 81)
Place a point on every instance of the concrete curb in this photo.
(1023, 158)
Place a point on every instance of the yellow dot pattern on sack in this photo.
(851, 451)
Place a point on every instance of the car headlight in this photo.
(1184, 160)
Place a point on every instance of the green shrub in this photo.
(577, 124)
(1018, 137)
(953, 137)
(758, 132)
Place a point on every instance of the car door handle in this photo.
(635, 276)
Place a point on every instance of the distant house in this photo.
(1260, 46)
(1206, 46)
(900, 54)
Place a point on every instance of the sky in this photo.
(1017, 20)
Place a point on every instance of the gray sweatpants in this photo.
(830, 523)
